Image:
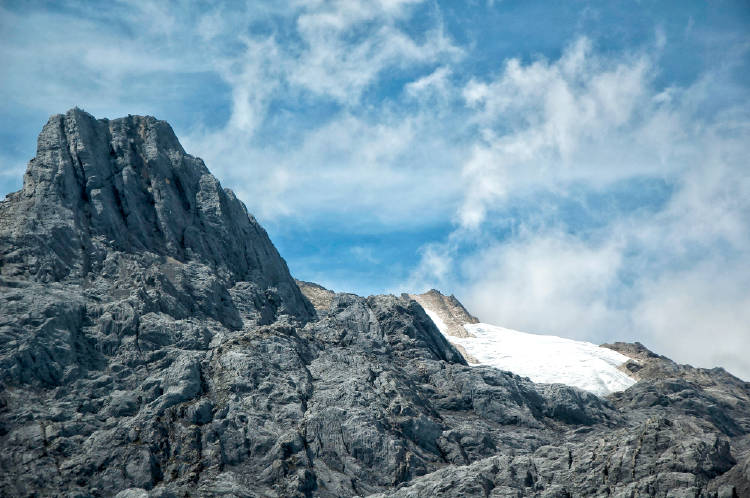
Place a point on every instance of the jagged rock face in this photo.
(448, 310)
(449, 315)
(98, 187)
(319, 296)
(157, 346)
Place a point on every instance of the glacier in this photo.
(543, 358)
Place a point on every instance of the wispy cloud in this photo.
(541, 122)
(674, 276)
(351, 158)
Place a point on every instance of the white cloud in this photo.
(387, 165)
(435, 269)
(549, 282)
(386, 171)
(254, 78)
(676, 278)
(486, 174)
(437, 83)
(348, 44)
(699, 315)
(541, 122)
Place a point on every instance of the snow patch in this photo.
(547, 358)
(440, 324)
(543, 358)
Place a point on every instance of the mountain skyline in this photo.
(153, 343)
(572, 169)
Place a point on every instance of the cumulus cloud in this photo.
(674, 276)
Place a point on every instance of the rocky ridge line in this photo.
(448, 309)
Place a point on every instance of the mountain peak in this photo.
(126, 185)
(447, 311)
(128, 180)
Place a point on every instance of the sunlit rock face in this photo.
(153, 343)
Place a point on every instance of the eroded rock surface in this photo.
(449, 311)
(153, 343)
(319, 296)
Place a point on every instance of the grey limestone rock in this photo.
(319, 296)
(449, 310)
(153, 343)
(104, 197)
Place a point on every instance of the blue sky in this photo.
(575, 168)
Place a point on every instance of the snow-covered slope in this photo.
(547, 358)
(542, 358)
(439, 323)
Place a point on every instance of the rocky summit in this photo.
(153, 343)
